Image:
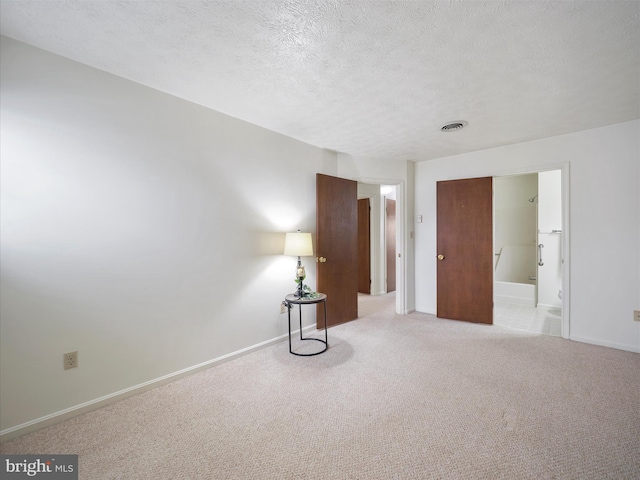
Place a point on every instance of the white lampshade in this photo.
(298, 245)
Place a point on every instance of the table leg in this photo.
(289, 322)
(326, 338)
(300, 310)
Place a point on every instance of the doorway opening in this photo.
(377, 239)
(528, 252)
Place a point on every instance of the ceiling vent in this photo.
(453, 126)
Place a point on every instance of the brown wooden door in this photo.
(364, 246)
(390, 240)
(337, 242)
(465, 253)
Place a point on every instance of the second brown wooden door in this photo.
(465, 250)
(364, 246)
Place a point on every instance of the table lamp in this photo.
(299, 245)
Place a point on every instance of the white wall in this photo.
(139, 229)
(604, 226)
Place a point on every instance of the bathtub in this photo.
(516, 293)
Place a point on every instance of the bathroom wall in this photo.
(515, 228)
(550, 235)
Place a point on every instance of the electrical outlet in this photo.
(283, 307)
(70, 360)
(636, 315)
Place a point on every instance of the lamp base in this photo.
(300, 276)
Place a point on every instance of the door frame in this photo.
(374, 235)
(566, 231)
(403, 247)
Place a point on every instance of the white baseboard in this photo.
(600, 343)
(62, 415)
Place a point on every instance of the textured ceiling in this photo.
(367, 78)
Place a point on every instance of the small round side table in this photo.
(290, 301)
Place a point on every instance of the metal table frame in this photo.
(290, 301)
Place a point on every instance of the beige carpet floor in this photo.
(394, 397)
